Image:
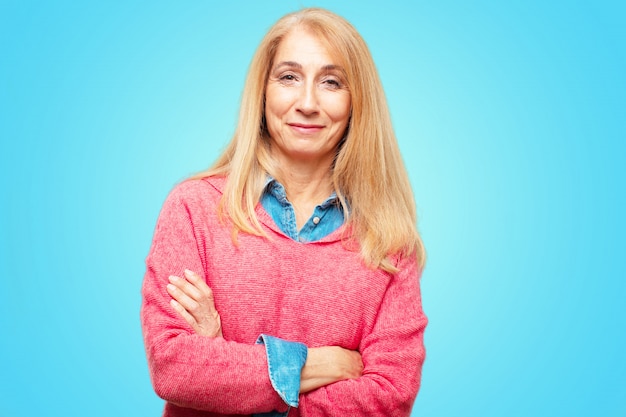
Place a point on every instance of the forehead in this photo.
(301, 44)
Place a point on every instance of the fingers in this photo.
(193, 300)
(186, 287)
(195, 288)
(196, 280)
(204, 293)
(179, 291)
(184, 313)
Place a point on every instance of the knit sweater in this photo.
(318, 293)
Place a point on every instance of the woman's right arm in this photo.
(188, 369)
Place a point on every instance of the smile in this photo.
(304, 128)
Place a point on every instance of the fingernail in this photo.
(170, 287)
(173, 278)
(188, 272)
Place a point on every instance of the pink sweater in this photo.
(316, 293)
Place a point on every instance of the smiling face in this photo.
(307, 102)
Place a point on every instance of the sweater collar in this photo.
(266, 220)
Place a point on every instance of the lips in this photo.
(306, 128)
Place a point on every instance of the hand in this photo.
(327, 364)
(193, 300)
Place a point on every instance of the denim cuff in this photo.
(284, 361)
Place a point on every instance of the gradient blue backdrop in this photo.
(510, 116)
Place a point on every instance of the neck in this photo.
(306, 185)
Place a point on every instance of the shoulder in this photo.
(407, 266)
(193, 197)
(196, 190)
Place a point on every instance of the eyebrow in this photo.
(293, 64)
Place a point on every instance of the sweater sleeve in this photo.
(393, 354)
(187, 369)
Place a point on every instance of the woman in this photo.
(285, 279)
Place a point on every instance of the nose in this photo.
(308, 103)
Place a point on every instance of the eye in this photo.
(332, 82)
(287, 78)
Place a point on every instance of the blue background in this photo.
(510, 116)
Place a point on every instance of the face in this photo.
(307, 103)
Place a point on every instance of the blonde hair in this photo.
(368, 175)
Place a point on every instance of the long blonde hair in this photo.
(368, 175)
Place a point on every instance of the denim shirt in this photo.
(285, 359)
(327, 217)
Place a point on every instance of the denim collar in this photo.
(275, 188)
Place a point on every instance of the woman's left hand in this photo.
(193, 300)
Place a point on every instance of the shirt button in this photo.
(316, 220)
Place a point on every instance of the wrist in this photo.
(320, 369)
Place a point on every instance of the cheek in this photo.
(339, 110)
(276, 103)
(275, 109)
